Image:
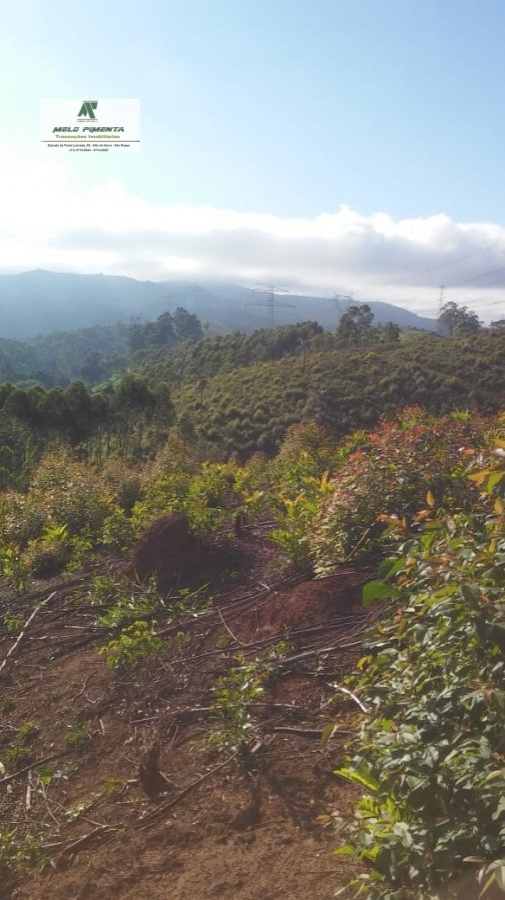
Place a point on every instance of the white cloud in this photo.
(46, 222)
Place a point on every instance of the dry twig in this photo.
(25, 627)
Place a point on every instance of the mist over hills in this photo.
(40, 301)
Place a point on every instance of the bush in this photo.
(430, 749)
(70, 492)
(49, 554)
(21, 519)
(124, 483)
(402, 460)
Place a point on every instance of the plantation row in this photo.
(342, 389)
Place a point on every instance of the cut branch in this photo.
(32, 765)
(20, 637)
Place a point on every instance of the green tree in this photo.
(164, 334)
(390, 333)
(92, 369)
(454, 319)
(80, 412)
(356, 325)
(187, 326)
(133, 406)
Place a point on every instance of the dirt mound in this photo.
(174, 554)
(317, 604)
(312, 602)
(166, 550)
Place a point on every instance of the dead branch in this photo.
(79, 843)
(305, 732)
(348, 693)
(64, 809)
(25, 627)
(230, 632)
(32, 765)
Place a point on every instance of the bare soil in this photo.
(73, 734)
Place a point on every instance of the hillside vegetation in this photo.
(91, 354)
(421, 497)
(346, 388)
(238, 394)
(362, 462)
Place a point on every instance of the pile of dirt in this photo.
(312, 602)
(171, 552)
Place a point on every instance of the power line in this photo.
(483, 275)
(443, 265)
(271, 302)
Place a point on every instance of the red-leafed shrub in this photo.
(391, 472)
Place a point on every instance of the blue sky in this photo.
(269, 122)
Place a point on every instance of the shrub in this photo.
(49, 554)
(429, 752)
(403, 459)
(124, 483)
(21, 519)
(70, 492)
(135, 643)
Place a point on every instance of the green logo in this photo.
(87, 109)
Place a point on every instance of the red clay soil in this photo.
(227, 826)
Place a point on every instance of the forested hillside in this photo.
(238, 394)
(222, 506)
(92, 354)
(344, 388)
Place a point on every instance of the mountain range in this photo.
(39, 301)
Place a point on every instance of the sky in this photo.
(350, 146)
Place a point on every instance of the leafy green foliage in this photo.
(17, 756)
(430, 749)
(397, 467)
(355, 326)
(222, 354)
(135, 643)
(296, 516)
(28, 731)
(180, 482)
(121, 602)
(50, 553)
(77, 737)
(281, 377)
(459, 320)
(233, 694)
(14, 570)
(19, 852)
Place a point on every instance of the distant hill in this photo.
(39, 302)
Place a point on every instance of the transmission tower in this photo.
(271, 303)
(339, 300)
